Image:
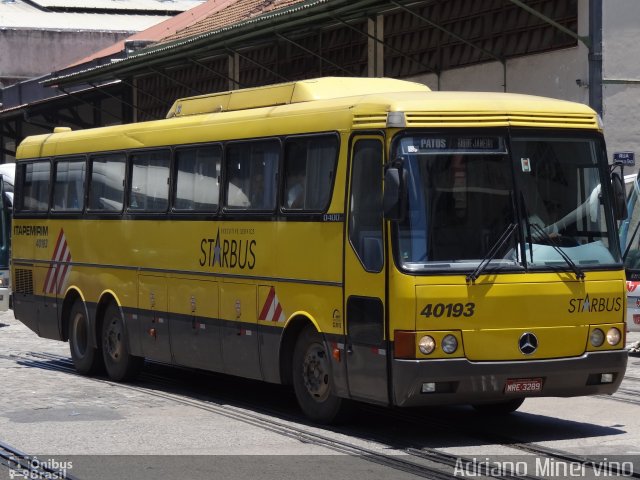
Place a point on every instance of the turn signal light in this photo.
(404, 344)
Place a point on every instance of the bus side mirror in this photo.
(619, 197)
(394, 198)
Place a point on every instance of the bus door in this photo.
(364, 282)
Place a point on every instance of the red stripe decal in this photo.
(276, 315)
(267, 304)
(56, 274)
(63, 274)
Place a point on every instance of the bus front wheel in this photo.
(312, 380)
(86, 359)
(121, 366)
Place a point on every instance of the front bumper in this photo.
(463, 382)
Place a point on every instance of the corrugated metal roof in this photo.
(124, 5)
(21, 15)
(7, 112)
(164, 29)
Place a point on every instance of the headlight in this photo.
(449, 344)
(613, 336)
(427, 344)
(597, 337)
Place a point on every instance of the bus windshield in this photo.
(465, 191)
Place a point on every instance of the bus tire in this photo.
(501, 408)
(86, 359)
(312, 381)
(121, 366)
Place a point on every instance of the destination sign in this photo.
(452, 144)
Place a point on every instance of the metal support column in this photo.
(233, 60)
(375, 46)
(595, 55)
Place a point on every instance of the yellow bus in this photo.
(359, 239)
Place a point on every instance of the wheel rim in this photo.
(80, 337)
(113, 339)
(315, 372)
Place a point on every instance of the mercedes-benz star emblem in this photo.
(528, 343)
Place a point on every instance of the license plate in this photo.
(523, 385)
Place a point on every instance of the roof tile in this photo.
(234, 13)
(164, 29)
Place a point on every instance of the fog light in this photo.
(449, 344)
(597, 337)
(427, 344)
(606, 378)
(613, 336)
(429, 387)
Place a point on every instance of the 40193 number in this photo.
(448, 310)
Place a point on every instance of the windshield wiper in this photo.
(491, 254)
(528, 227)
(545, 236)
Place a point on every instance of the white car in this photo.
(633, 306)
(630, 243)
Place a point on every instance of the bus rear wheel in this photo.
(312, 380)
(121, 366)
(501, 408)
(86, 358)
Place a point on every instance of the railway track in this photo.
(423, 462)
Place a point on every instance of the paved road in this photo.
(183, 424)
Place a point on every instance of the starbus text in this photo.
(595, 304)
(227, 253)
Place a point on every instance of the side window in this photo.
(149, 191)
(251, 175)
(309, 165)
(365, 212)
(68, 185)
(198, 178)
(35, 181)
(106, 187)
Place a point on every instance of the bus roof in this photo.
(315, 106)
